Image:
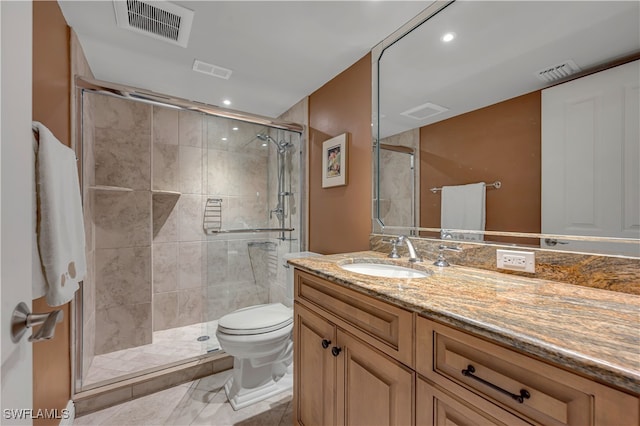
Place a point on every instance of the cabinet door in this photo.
(373, 389)
(435, 407)
(314, 369)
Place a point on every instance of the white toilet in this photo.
(260, 340)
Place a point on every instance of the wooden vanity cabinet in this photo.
(340, 377)
(509, 385)
(361, 361)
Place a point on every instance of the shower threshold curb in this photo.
(126, 390)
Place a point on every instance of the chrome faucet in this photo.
(441, 261)
(413, 256)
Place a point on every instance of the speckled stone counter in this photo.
(591, 331)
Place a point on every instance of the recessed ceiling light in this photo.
(448, 37)
(264, 144)
(224, 139)
(235, 128)
(226, 102)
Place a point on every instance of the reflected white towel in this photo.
(61, 239)
(463, 207)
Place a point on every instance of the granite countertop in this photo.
(591, 331)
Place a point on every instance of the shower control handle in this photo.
(335, 351)
(326, 343)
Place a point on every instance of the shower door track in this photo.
(150, 97)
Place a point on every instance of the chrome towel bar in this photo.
(497, 184)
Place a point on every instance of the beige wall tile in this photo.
(122, 326)
(190, 216)
(165, 126)
(190, 265)
(122, 219)
(190, 306)
(165, 311)
(121, 114)
(190, 128)
(190, 170)
(123, 158)
(165, 267)
(216, 172)
(123, 276)
(166, 167)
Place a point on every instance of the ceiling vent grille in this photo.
(211, 69)
(158, 19)
(558, 72)
(424, 111)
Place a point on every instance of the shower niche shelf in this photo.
(163, 203)
(106, 188)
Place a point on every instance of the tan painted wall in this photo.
(340, 217)
(499, 142)
(51, 106)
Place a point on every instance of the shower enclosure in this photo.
(187, 215)
(399, 179)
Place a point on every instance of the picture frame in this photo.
(334, 161)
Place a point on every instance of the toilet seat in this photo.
(257, 319)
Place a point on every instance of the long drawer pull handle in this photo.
(524, 394)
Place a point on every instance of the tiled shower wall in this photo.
(151, 170)
(122, 222)
(395, 190)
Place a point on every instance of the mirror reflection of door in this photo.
(590, 152)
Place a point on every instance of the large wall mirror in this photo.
(536, 103)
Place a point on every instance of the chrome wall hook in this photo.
(22, 318)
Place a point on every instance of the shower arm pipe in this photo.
(148, 96)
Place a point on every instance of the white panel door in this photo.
(590, 159)
(16, 207)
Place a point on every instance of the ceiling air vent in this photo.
(158, 19)
(211, 69)
(424, 111)
(558, 72)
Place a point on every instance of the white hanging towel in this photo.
(61, 239)
(463, 207)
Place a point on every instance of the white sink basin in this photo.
(384, 270)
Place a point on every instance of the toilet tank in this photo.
(289, 272)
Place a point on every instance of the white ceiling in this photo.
(499, 48)
(279, 51)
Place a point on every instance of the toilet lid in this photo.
(256, 319)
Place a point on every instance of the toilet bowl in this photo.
(260, 340)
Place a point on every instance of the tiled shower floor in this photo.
(169, 346)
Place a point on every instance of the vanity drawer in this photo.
(550, 395)
(384, 326)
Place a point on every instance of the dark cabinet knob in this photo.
(326, 343)
(335, 351)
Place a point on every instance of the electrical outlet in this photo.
(524, 261)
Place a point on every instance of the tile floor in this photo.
(169, 346)
(201, 402)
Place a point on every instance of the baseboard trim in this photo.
(70, 411)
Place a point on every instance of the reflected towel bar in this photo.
(497, 184)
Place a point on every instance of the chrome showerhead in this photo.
(263, 137)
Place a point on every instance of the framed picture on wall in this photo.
(334, 161)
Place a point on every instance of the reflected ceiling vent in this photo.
(158, 19)
(424, 111)
(558, 72)
(211, 69)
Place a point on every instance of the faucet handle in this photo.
(394, 250)
(441, 261)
